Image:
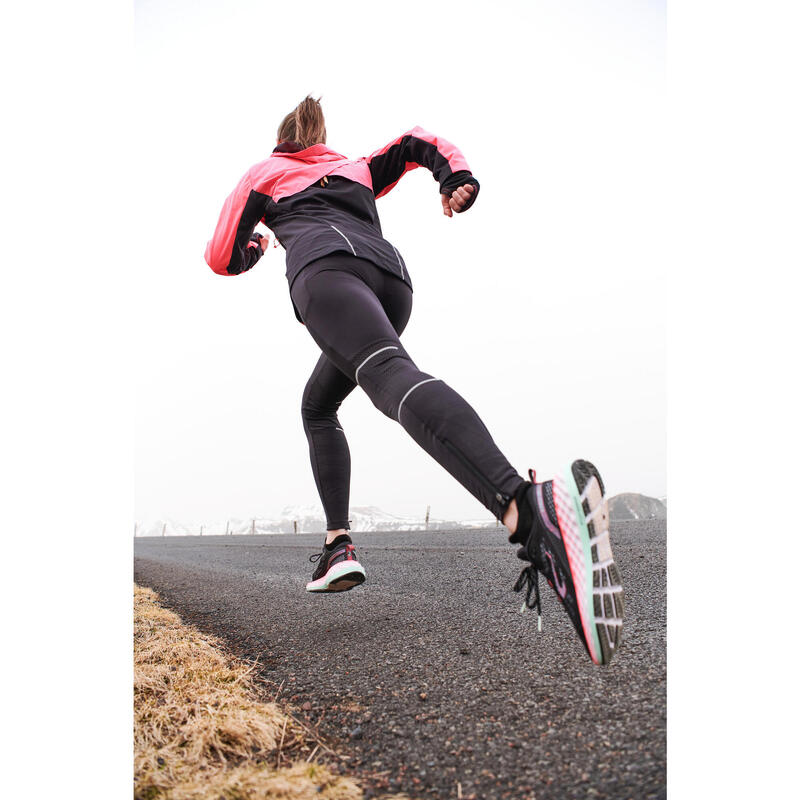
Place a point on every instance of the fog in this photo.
(543, 305)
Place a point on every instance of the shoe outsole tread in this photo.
(346, 583)
(582, 511)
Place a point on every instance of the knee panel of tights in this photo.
(313, 411)
(386, 374)
(319, 421)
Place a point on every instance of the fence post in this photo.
(201, 529)
(227, 526)
(427, 517)
(295, 526)
(164, 529)
(253, 530)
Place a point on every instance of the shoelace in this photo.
(529, 580)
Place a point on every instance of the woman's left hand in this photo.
(457, 200)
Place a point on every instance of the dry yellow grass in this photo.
(200, 730)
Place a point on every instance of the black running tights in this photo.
(356, 312)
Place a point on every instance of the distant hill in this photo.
(636, 506)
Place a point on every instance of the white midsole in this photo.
(334, 573)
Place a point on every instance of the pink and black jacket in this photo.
(317, 201)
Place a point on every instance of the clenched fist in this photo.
(457, 200)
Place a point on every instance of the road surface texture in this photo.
(428, 675)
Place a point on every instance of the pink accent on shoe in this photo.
(560, 587)
(543, 512)
(571, 536)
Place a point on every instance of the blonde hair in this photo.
(305, 125)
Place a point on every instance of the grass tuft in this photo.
(200, 730)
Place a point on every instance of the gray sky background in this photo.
(544, 305)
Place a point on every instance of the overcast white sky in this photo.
(544, 305)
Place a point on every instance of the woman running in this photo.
(351, 288)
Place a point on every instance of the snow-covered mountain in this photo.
(309, 519)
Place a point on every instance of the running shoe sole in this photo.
(339, 578)
(582, 511)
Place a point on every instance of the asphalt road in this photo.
(427, 674)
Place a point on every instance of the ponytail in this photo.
(305, 125)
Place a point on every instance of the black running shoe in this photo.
(338, 569)
(567, 541)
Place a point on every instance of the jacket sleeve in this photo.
(234, 248)
(419, 148)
